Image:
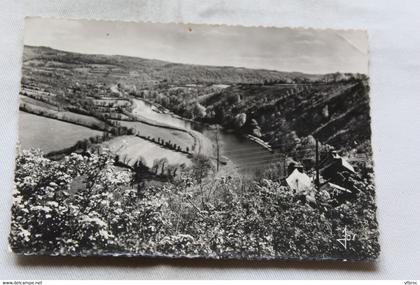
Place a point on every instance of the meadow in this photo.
(41, 132)
(180, 138)
(131, 148)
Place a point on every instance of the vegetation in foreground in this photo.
(85, 205)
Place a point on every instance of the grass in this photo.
(67, 116)
(148, 113)
(131, 148)
(49, 134)
(32, 101)
(183, 139)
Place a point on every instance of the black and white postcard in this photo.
(197, 141)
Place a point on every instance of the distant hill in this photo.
(111, 68)
(333, 108)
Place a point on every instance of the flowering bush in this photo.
(222, 217)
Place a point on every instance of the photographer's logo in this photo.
(347, 238)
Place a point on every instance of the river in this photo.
(246, 155)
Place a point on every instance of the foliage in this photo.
(47, 218)
(202, 166)
(222, 217)
(336, 113)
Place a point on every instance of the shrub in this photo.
(191, 216)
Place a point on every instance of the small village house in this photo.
(299, 181)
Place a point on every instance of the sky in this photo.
(283, 49)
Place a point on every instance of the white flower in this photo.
(41, 208)
(119, 211)
(104, 234)
(94, 220)
(52, 204)
(28, 180)
(25, 234)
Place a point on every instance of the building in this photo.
(336, 164)
(335, 192)
(299, 181)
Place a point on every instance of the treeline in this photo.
(335, 113)
(81, 98)
(81, 146)
(167, 144)
(98, 121)
(42, 98)
(115, 130)
(182, 101)
(122, 130)
(100, 126)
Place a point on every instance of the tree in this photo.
(199, 111)
(240, 120)
(140, 169)
(219, 114)
(48, 220)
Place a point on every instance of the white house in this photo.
(299, 181)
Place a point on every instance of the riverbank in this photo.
(242, 150)
(147, 113)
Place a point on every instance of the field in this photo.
(67, 116)
(41, 132)
(131, 148)
(183, 139)
(29, 100)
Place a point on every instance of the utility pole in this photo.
(217, 148)
(317, 164)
